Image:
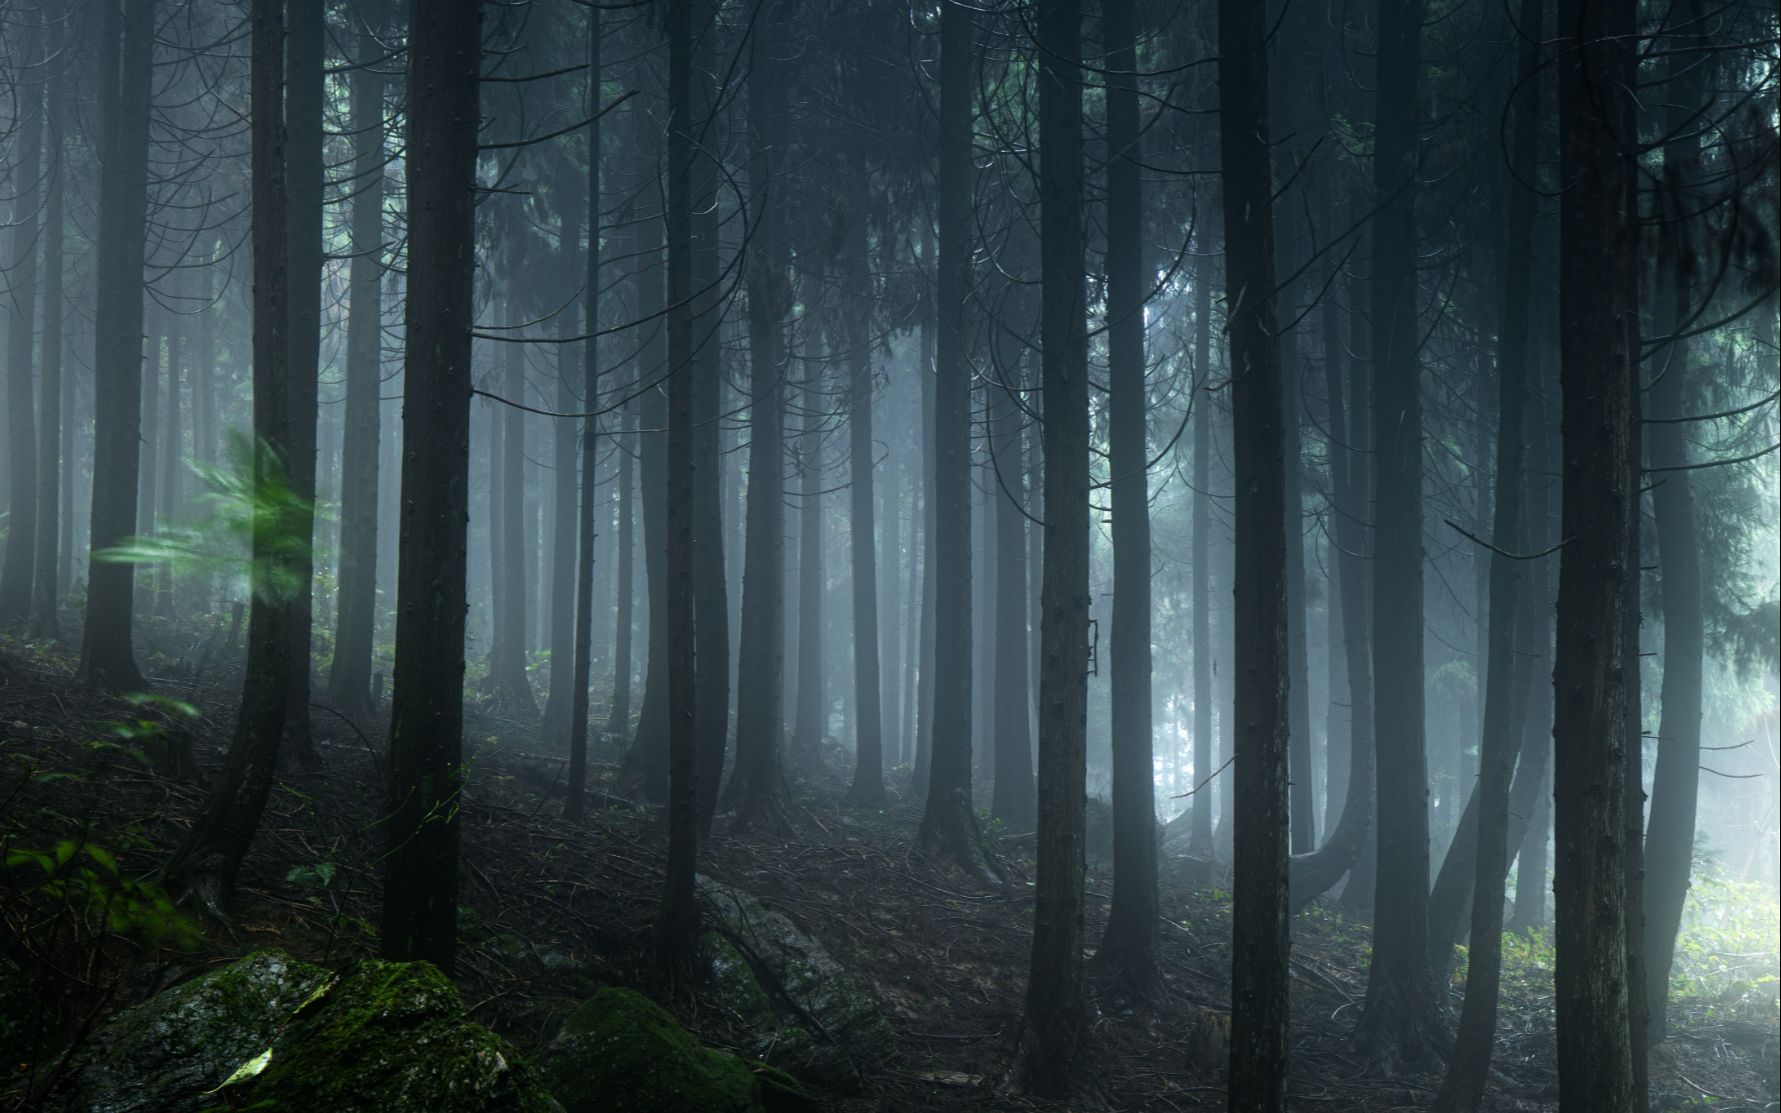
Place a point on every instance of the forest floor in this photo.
(553, 910)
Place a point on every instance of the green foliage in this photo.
(84, 880)
(257, 528)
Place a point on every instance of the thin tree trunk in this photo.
(1054, 1015)
(420, 911)
(1260, 928)
(107, 653)
(868, 774)
(581, 587)
(811, 712)
(1014, 800)
(208, 861)
(949, 819)
(677, 923)
(349, 674)
(48, 565)
(1200, 556)
(1398, 1018)
(1128, 946)
(305, 55)
(1598, 301)
(1475, 1042)
(21, 335)
(1675, 782)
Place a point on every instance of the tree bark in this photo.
(51, 551)
(1398, 1017)
(1128, 946)
(21, 335)
(677, 923)
(107, 653)
(1055, 1016)
(1475, 1042)
(1261, 937)
(949, 819)
(1200, 557)
(349, 674)
(427, 717)
(207, 863)
(868, 773)
(1598, 307)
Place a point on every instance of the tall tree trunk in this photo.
(1399, 1015)
(1014, 801)
(618, 717)
(1128, 947)
(107, 653)
(564, 549)
(1675, 782)
(890, 504)
(21, 335)
(711, 626)
(1054, 1014)
(420, 895)
(868, 774)
(51, 549)
(811, 712)
(581, 587)
(677, 923)
(1200, 556)
(949, 819)
(349, 674)
(305, 54)
(207, 862)
(1598, 305)
(507, 680)
(928, 373)
(1260, 929)
(759, 782)
(1475, 1042)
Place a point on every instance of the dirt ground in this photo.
(553, 910)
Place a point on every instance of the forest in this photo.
(762, 556)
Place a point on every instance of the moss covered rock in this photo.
(167, 1052)
(620, 1052)
(392, 1037)
(813, 1018)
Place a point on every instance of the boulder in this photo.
(620, 1051)
(167, 1052)
(813, 1019)
(269, 1032)
(392, 1037)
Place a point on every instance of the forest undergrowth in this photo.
(96, 791)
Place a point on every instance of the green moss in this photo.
(620, 1051)
(390, 1037)
(166, 1052)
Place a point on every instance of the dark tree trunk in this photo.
(1014, 801)
(949, 820)
(1675, 781)
(759, 781)
(1598, 306)
(420, 897)
(305, 49)
(618, 718)
(1205, 794)
(1128, 947)
(507, 680)
(810, 713)
(21, 335)
(564, 550)
(349, 674)
(1260, 927)
(107, 654)
(1054, 1015)
(581, 587)
(1399, 1015)
(711, 625)
(1475, 1042)
(51, 549)
(207, 862)
(868, 774)
(890, 504)
(677, 923)
(928, 372)
(1348, 842)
